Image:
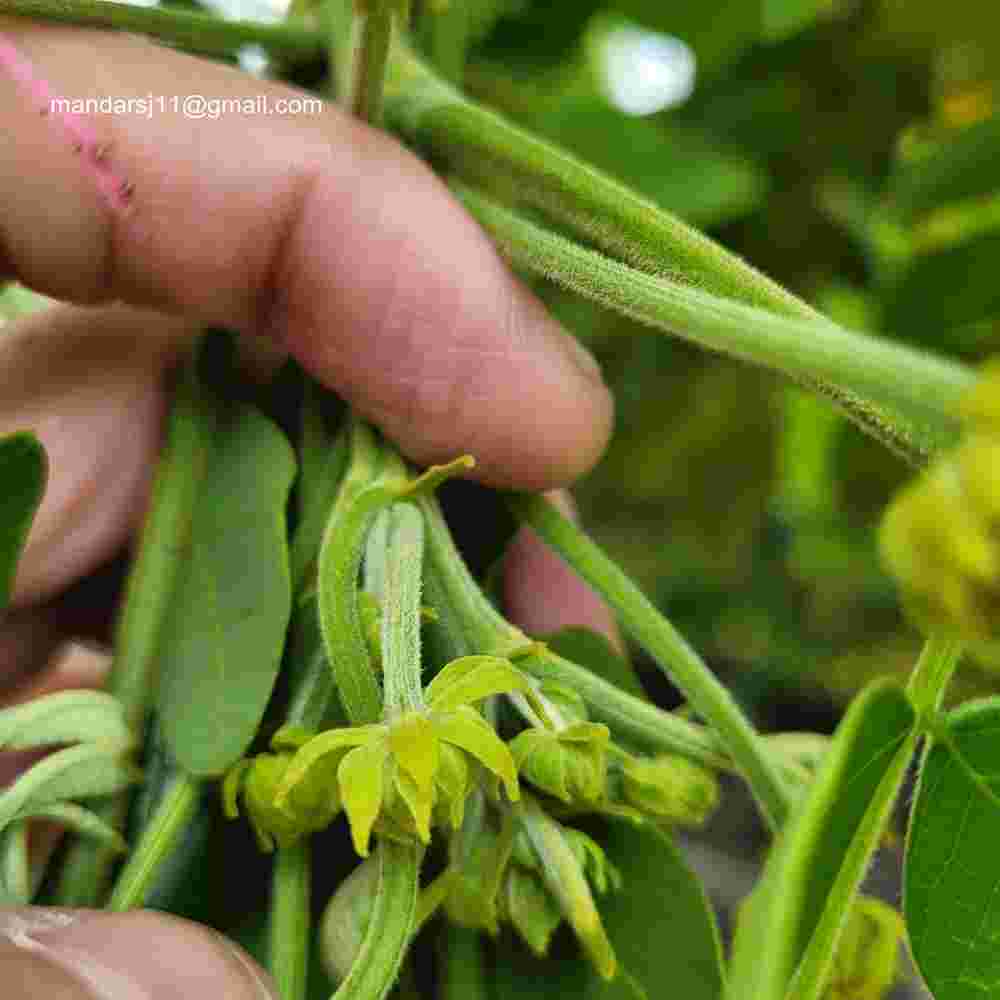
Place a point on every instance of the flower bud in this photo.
(670, 788)
(866, 962)
(311, 806)
(530, 908)
(570, 765)
(479, 853)
(346, 918)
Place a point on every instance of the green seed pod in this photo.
(346, 918)
(670, 788)
(570, 765)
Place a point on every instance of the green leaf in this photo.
(15, 866)
(950, 875)
(811, 878)
(79, 820)
(23, 472)
(63, 717)
(662, 900)
(962, 166)
(470, 679)
(927, 300)
(225, 632)
(91, 769)
(592, 650)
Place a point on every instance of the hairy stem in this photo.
(401, 609)
(903, 397)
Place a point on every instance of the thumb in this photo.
(62, 954)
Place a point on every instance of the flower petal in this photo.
(467, 729)
(414, 744)
(317, 754)
(470, 679)
(362, 789)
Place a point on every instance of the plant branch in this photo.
(290, 924)
(290, 41)
(904, 397)
(706, 695)
(404, 552)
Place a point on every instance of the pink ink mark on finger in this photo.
(116, 191)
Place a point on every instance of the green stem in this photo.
(903, 397)
(205, 33)
(463, 968)
(374, 37)
(391, 924)
(289, 937)
(706, 695)
(475, 142)
(472, 624)
(338, 565)
(159, 839)
(180, 469)
(934, 669)
(313, 688)
(401, 609)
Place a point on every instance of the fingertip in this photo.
(131, 956)
(542, 593)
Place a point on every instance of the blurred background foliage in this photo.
(850, 150)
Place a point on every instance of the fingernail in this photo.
(580, 357)
(29, 957)
(251, 974)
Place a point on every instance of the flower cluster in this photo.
(939, 537)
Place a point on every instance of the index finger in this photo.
(311, 229)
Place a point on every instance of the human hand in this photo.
(312, 233)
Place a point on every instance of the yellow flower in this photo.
(396, 772)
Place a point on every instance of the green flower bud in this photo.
(866, 963)
(310, 807)
(590, 856)
(978, 463)
(530, 908)
(570, 765)
(479, 854)
(936, 542)
(346, 918)
(670, 788)
(980, 407)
